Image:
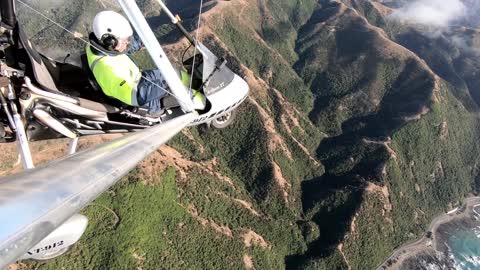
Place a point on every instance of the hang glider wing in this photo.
(35, 202)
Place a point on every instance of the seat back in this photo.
(40, 71)
(91, 78)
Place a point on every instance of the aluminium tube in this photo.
(177, 22)
(23, 147)
(168, 12)
(157, 54)
(34, 203)
(43, 93)
(72, 147)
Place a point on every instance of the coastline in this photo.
(430, 242)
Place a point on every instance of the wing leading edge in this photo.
(35, 202)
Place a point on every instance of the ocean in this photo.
(457, 246)
(464, 247)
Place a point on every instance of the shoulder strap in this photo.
(95, 62)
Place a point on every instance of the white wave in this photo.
(474, 260)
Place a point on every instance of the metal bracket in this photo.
(23, 146)
(72, 148)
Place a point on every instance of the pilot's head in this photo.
(112, 30)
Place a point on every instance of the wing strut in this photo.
(157, 54)
(35, 202)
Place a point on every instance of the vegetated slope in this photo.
(379, 103)
(347, 146)
(388, 215)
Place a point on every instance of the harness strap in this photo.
(95, 62)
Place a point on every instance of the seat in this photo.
(91, 77)
(41, 74)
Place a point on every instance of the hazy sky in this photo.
(431, 12)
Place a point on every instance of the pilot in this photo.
(112, 41)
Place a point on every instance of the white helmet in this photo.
(111, 23)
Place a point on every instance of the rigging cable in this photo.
(197, 32)
(88, 43)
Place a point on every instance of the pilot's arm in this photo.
(135, 45)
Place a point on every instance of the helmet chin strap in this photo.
(98, 46)
(109, 42)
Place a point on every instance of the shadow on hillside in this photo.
(355, 157)
(337, 200)
(460, 71)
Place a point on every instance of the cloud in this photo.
(431, 12)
